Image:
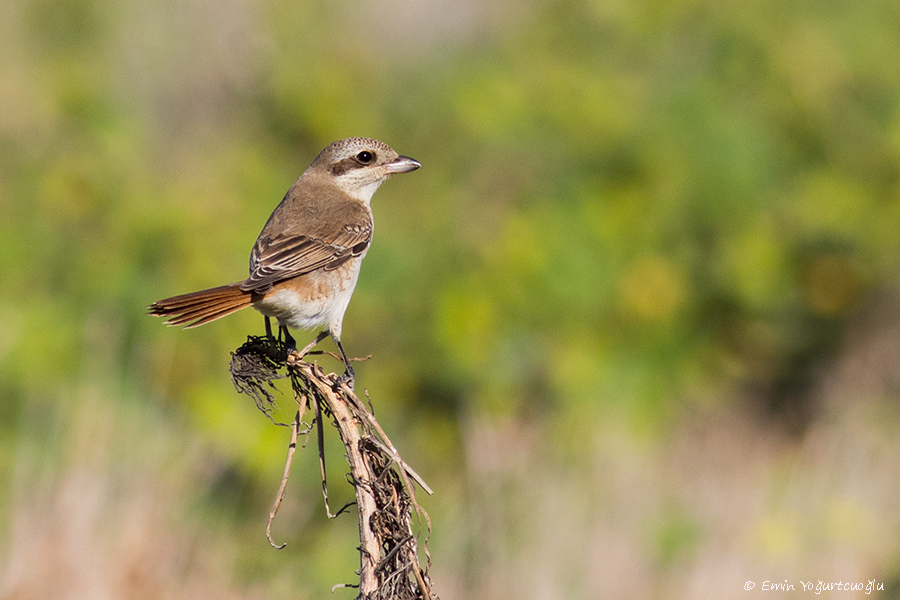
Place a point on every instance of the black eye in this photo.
(365, 157)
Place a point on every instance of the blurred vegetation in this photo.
(625, 209)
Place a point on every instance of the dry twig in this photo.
(383, 481)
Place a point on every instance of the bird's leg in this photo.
(322, 335)
(269, 335)
(289, 340)
(348, 375)
(273, 343)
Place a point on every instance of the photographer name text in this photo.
(818, 586)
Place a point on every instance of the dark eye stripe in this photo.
(362, 159)
(347, 164)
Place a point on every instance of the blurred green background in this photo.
(636, 320)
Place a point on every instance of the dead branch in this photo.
(382, 480)
(292, 447)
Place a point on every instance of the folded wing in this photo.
(285, 257)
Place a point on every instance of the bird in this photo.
(305, 263)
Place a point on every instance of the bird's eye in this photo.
(365, 157)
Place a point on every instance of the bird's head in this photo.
(360, 165)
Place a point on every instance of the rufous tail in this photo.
(199, 308)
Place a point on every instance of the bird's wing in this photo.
(287, 256)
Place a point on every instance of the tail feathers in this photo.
(199, 308)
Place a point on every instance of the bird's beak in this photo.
(402, 164)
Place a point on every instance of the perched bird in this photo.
(305, 262)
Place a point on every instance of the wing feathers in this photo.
(291, 256)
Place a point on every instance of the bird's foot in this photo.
(289, 342)
(347, 378)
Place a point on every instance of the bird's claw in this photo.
(347, 378)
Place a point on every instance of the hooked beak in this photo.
(402, 164)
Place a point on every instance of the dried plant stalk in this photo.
(383, 481)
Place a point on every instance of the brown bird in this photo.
(305, 262)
